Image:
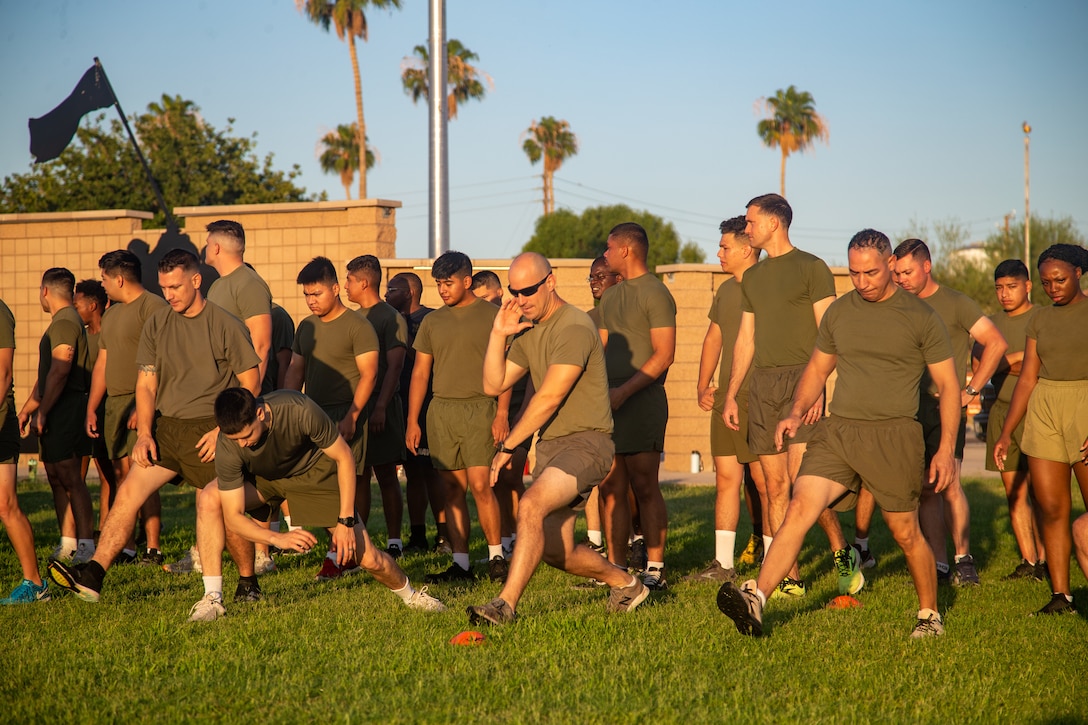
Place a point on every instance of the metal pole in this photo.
(439, 120)
(1027, 195)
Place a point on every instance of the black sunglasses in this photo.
(530, 290)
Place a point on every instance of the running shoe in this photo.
(442, 546)
(188, 563)
(262, 563)
(330, 570)
(124, 557)
(84, 553)
(208, 609)
(714, 572)
(625, 599)
(151, 557)
(655, 580)
(454, 574)
(790, 588)
(1058, 604)
(394, 551)
(964, 572)
(248, 593)
(27, 593)
(1041, 571)
(742, 605)
(1024, 570)
(415, 547)
(944, 577)
(599, 548)
(753, 553)
(868, 561)
(928, 626)
(497, 569)
(73, 578)
(425, 602)
(61, 553)
(497, 611)
(848, 566)
(637, 557)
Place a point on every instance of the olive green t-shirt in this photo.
(725, 312)
(94, 340)
(959, 314)
(329, 350)
(882, 349)
(1059, 334)
(628, 311)
(283, 337)
(242, 293)
(392, 331)
(457, 339)
(66, 328)
(1015, 331)
(7, 341)
(780, 292)
(196, 358)
(297, 431)
(594, 316)
(568, 337)
(122, 325)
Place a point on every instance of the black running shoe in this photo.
(152, 557)
(497, 569)
(1058, 604)
(1025, 570)
(743, 605)
(73, 578)
(248, 593)
(637, 558)
(454, 574)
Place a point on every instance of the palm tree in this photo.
(463, 78)
(341, 154)
(349, 19)
(791, 124)
(550, 139)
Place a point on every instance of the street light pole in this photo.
(439, 119)
(1027, 195)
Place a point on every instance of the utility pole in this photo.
(439, 126)
(1027, 195)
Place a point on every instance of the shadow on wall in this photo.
(149, 259)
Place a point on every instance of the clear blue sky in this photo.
(924, 101)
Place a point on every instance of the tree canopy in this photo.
(462, 77)
(564, 234)
(194, 163)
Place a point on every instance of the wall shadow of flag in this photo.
(51, 134)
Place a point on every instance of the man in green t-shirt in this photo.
(463, 424)
(559, 347)
(880, 340)
(1013, 287)
(638, 328)
(783, 299)
(284, 447)
(385, 437)
(56, 408)
(734, 463)
(949, 513)
(113, 380)
(335, 359)
(16, 524)
(187, 355)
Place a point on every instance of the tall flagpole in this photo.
(439, 120)
(171, 224)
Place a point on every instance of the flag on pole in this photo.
(51, 134)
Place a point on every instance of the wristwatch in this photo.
(348, 521)
(504, 449)
(971, 391)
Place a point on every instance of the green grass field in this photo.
(348, 651)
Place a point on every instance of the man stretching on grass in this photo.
(562, 351)
(880, 339)
(284, 447)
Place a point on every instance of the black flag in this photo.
(51, 134)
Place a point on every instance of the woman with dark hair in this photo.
(1052, 394)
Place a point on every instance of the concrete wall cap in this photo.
(72, 216)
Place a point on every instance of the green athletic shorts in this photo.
(358, 440)
(459, 432)
(65, 435)
(113, 427)
(770, 398)
(176, 439)
(639, 424)
(314, 496)
(884, 456)
(724, 441)
(1015, 460)
(387, 446)
(586, 455)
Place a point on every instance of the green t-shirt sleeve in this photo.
(422, 343)
(572, 347)
(238, 344)
(363, 337)
(967, 312)
(821, 281)
(7, 327)
(64, 332)
(660, 308)
(228, 464)
(323, 431)
(401, 332)
(825, 334)
(936, 344)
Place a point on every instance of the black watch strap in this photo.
(348, 521)
(504, 449)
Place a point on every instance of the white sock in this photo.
(461, 560)
(213, 585)
(862, 544)
(655, 565)
(130, 552)
(395, 542)
(405, 592)
(961, 557)
(68, 543)
(493, 551)
(86, 544)
(507, 541)
(594, 537)
(767, 544)
(724, 542)
(637, 537)
(762, 597)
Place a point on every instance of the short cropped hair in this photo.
(415, 284)
(871, 239)
(232, 230)
(60, 282)
(913, 248)
(93, 288)
(487, 279)
(235, 408)
(179, 258)
(634, 235)
(1011, 268)
(319, 270)
(734, 226)
(121, 262)
(452, 265)
(366, 266)
(1072, 254)
(776, 206)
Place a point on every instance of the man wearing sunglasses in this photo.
(558, 346)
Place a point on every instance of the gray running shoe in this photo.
(743, 606)
(964, 572)
(714, 572)
(930, 626)
(184, 565)
(625, 599)
(497, 611)
(263, 564)
(423, 601)
(208, 609)
(655, 580)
